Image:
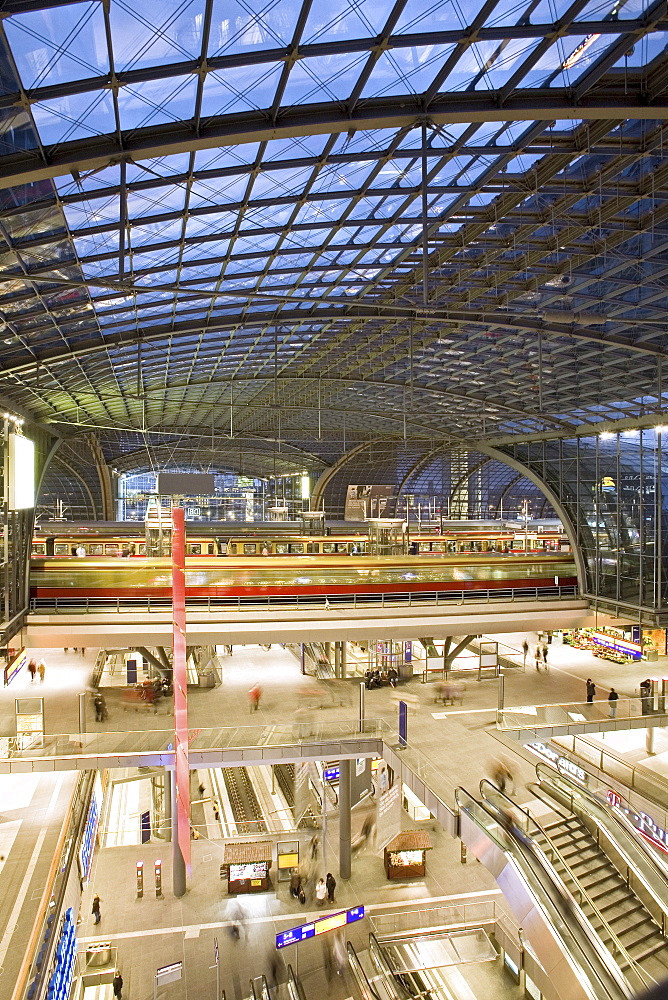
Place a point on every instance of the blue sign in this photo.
(331, 773)
(88, 839)
(320, 926)
(66, 953)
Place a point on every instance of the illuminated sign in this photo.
(623, 646)
(562, 764)
(21, 472)
(15, 667)
(288, 860)
(331, 773)
(644, 824)
(320, 926)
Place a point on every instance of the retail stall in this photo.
(246, 867)
(406, 855)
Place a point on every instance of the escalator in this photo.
(629, 896)
(368, 989)
(562, 938)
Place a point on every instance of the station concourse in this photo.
(334, 500)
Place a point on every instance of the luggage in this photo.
(302, 896)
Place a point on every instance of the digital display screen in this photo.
(320, 926)
(288, 860)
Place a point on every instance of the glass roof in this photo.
(216, 214)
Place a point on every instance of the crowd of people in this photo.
(380, 678)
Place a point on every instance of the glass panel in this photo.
(248, 87)
(74, 116)
(59, 44)
(237, 27)
(156, 102)
(406, 71)
(155, 32)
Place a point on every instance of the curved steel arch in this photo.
(492, 453)
(404, 111)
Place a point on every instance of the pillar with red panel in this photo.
(181, 774)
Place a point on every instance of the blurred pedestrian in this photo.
(340, 954)
(41, 670)
(591, 690)
(330, 882)
(613, 698)
(32, 669)
(96, 908)
(537, 658)
(315, 843)
(525, 651)
(501, 775)
(216, 811)
(646, 696)
(117, 985)
(295, 883)
(254, 696)
(545, 654)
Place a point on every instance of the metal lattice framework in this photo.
(288, 228)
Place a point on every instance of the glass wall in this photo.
(613, 488)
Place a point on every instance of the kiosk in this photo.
(247, 867)
(405, 855)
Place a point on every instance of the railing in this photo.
(638, 781)
(531, 827)
(539, 874)
(641, 863)
(161, 741)
(474, 913)
(570, 713)
(92, 604)
(367, 991)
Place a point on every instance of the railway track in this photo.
(245, 806)
(285, 776)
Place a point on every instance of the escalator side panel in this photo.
(535, 924)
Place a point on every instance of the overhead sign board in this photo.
(320, 926)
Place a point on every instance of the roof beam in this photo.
(613, 102)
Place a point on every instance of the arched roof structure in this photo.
(289, 229)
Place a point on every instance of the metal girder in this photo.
(83, 155)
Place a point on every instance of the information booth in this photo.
(405, 855)
(246, 867)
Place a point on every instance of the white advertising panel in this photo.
(21, 472)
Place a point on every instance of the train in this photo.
(232, 579)
(124, 539)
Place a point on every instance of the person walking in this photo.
(330, 882)
(525, 651)
(537, 658)
(96, 908)
(295, 883)
(32, 670)
(591, 690)
(545, 656)
(41, 670)
(613, 698)
(646, 696)
(117, 985)
(254, 696)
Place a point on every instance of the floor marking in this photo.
(463, 711)
(188, 929)
(32, 864)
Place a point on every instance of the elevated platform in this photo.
(290, 625)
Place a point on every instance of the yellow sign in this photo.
(288, 860)
(331, 923)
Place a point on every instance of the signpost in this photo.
(320, 926)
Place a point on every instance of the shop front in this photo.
(406, 855)
(246, 867)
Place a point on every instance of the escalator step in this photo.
(625, 912)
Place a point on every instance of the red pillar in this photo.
(181, 844)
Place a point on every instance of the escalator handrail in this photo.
(367, 990)
(294, 985)
(642, 974)
(564, 898)
(620, 821)
(398, 991)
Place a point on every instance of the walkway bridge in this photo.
(120, 624)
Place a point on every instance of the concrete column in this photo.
(178, 862)
(167, 805)
(649, 739)
(344, 659)
(344, 820)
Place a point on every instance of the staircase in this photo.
(582, 864)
